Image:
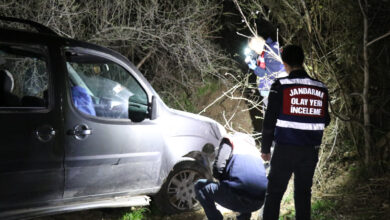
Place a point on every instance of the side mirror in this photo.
(137, 111)
(152, 109)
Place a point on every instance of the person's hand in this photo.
(252, 64)
(248, 59)
(266, 157)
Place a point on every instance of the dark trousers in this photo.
(208, 193)
(287, 160)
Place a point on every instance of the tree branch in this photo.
(144, 59)
(243, 17)
(378, 38)
(307, 16)
(366, 85)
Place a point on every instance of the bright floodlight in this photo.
(247, 51)
(257, 44)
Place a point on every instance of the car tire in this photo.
(177, 194)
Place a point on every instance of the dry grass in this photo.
(353, 194)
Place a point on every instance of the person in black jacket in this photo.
(241, 177)
(295, 119)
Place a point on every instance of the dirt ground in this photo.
(116, 214)
(231, 113)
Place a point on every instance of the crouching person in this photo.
(241, 176)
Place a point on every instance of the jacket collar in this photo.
(298, 74)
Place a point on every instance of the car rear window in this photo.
(24, 77)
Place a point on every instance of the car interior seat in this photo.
(82, 100)
(7, 99)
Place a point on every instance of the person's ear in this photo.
(287, 67)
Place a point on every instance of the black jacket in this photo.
(297, 112)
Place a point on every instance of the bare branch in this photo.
(307, 15)
(219, 98)
(243, 17)
(378, 38)
(144, 59)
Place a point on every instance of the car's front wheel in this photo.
(177, 193)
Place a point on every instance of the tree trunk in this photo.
(366, 85)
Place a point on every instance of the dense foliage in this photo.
(332, 35)
(170, 41)
(178, 45)
(347, 47)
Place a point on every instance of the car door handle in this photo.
(80, 132)
(45, 133)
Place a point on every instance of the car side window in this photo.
(102, 88)
(24, 77)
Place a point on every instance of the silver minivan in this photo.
(81, 128)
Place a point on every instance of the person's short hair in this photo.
(293, 55)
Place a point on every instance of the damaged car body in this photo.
(82, 128)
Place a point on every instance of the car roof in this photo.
(49, 37)
(46, 35)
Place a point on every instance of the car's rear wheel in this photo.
(177, 193)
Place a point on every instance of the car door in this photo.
(106, 152)
(31, 151)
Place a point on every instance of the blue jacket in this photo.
(272, 66)
(241, 167)
(297, 112)
(82, 100)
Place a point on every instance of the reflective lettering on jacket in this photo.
(301, 118)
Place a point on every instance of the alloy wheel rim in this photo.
(181, 192)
